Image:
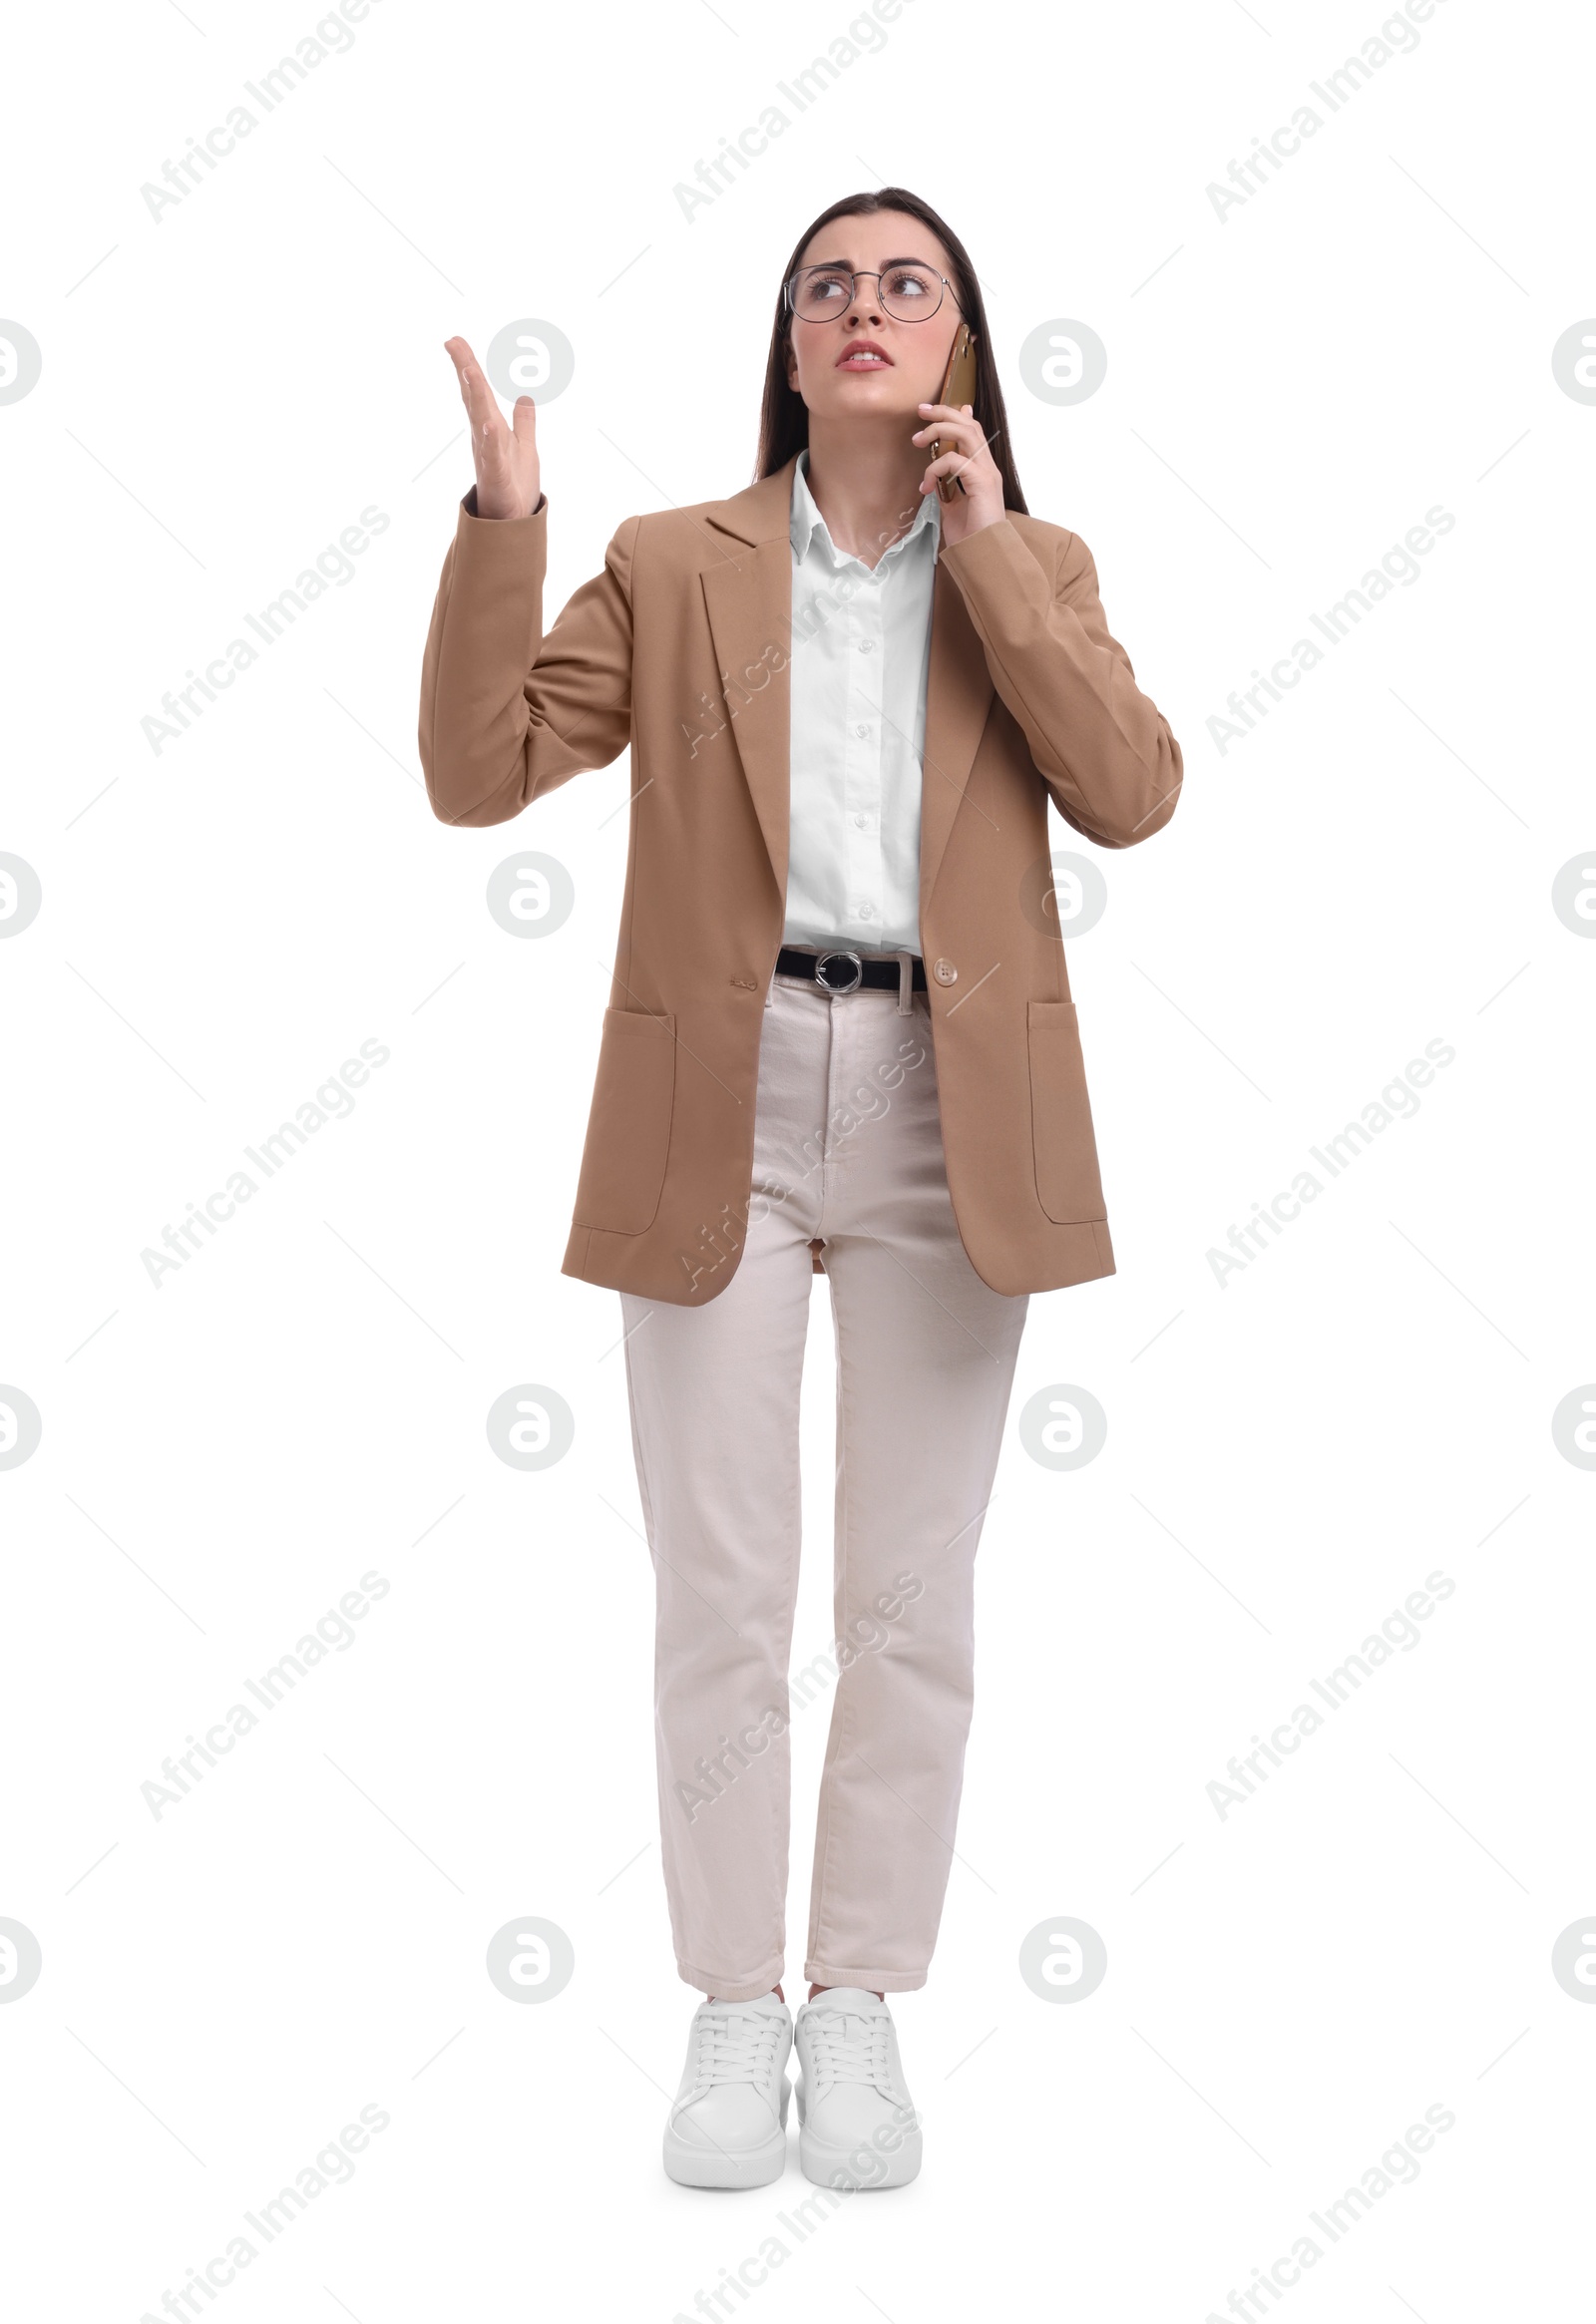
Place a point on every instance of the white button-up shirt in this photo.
(860, 657)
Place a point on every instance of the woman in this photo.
(839, 1038)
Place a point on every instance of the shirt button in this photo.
(862, 821)
(866, 645)
(861, 730)
(945, 971)
(866, 912)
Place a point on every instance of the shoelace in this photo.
(848, 2046)
(737, 2049)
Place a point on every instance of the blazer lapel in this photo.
(959, 693)
(750, 603)
(748, 600)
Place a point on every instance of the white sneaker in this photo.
(858, 2119)
(729, 2125)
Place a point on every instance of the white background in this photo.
(1288, 1456)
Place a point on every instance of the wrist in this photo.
(492, 509)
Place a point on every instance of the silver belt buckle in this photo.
(825, 982)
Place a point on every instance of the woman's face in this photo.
(860, 362)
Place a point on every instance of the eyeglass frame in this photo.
(860, 274)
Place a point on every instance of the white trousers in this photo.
(847, 1152)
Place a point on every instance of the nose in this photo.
(866, 304)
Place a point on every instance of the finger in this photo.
(940, 444)
(464, 361)
(950, 464)
(475, 393)
(951, 427)
(523, 419)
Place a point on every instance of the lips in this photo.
(864, 355)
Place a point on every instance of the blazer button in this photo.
(945, 971)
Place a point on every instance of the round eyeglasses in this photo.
(909, 292)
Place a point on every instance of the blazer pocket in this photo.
(1068, 1185)
(629, 1125)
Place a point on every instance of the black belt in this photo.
(846, 971)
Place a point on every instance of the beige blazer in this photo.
(680, 649)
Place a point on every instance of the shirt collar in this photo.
(807, 521)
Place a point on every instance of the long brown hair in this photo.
(784, 416)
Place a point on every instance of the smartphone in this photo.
(957, 388)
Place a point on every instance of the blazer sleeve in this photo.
(506, 712)
(1103, 749)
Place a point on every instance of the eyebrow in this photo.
(842, 264)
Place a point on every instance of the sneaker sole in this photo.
(692, 2166)
(821, 2164)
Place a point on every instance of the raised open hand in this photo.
(506, 457)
